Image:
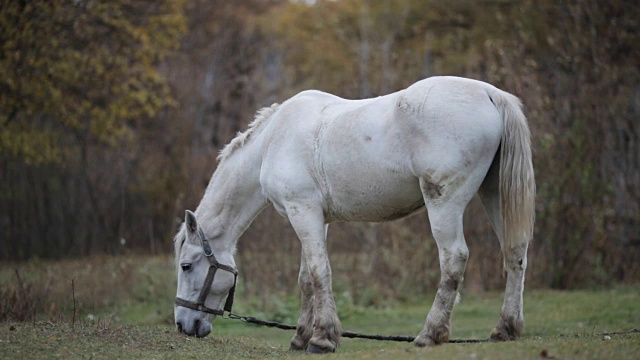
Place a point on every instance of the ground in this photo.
(559, 325)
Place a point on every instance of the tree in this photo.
(78, 78)
(575, 65)
(77, 72)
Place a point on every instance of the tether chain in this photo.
(352, 335)
(346, 334)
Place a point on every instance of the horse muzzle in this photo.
(198, 325)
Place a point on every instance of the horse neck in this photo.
(233, 198)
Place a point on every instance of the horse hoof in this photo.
(433, 337)
(507, 331)
(295, 347)
(315, 349)
(424, 341)
(502, 335)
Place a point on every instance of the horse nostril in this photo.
(179, 325)
(197, 324)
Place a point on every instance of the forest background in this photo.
(112, 114)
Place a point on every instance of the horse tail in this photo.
(517, 182)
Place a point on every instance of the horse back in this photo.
(363, 159)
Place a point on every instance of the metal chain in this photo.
(632, 331)
(346, 334)
(352, 335)
(252, 320)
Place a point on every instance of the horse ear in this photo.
(190, 221)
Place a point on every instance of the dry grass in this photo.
(42, 290)
(560, 325)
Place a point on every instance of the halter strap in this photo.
(204, 292)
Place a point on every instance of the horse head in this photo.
(204, 284)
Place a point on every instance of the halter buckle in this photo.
(208, 252)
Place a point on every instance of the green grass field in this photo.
(560, 325)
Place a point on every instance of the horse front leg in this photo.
(304, 328)
(308, 222)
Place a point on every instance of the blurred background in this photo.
(112, 114)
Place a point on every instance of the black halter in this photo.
(215, 265)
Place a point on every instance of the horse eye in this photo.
(185, 266)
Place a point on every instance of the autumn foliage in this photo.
(112, 114)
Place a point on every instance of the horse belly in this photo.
(366, 197)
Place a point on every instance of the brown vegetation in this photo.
(111, 116)
(86, 289)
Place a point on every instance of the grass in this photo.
(135, 323)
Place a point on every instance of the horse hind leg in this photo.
(511, 320)
(446, 224)
(304, 328)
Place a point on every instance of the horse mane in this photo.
(261, 116)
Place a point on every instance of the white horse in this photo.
(319, 158)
